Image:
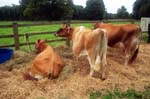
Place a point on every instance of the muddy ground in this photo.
(74, 81)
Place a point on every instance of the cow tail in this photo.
(103, 55)
(100, 50)
(104, 45)
(133, 57)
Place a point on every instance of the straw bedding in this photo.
(74, 81)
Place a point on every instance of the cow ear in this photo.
(46, 40)
(68, 25)
(38, 40)
(64, 25)
(42, 41)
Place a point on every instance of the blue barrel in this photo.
(5, 54)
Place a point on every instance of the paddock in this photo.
(74, 81)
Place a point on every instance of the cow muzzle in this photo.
(55, 34)
(27, 76)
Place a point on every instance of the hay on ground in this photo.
(74, 82)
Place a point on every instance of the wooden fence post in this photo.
(132, 21)
(67, 40)
(16, 36)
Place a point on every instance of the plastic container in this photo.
(5, 54)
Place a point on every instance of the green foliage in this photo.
(79, 12)
(110, 16)
(45, 28)
(10, 13)
(122, 13)
(33, 29)
(141, 8)
(95, 9)
(49, 9)
(95, 95)
(38, 10)
(118, 94)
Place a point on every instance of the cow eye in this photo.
(60, 30)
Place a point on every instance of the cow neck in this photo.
(44, 46)
(70, 33)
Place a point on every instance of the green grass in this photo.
(45, 28)
(32, 29)
(118, 94)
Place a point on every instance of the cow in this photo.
(46, 64)
(92, 43)
(127, 35)
(40, 45)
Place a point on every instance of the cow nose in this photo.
(55, 34)
(27, 76)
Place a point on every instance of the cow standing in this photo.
(127, 35)
(92, 42)
(46, 64)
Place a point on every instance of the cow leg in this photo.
(127, 54)
(130, 50)
(103, 63)
(91, 58)
(37, 76)
(126, 58)
(134, 49)
(127, 50)
(103, 54)
(91, 67)
(97, 65)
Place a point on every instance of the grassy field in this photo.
(118, 94)
(45, 28)
(30, 29)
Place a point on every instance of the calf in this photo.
(93, 42)
(46, 64)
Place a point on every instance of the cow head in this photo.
(40, 45)
(97, 25)
(27, 75)
(64, 31)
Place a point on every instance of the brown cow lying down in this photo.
(92, 42)
(127, 35)
(46, 64)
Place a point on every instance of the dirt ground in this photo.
(74, 81)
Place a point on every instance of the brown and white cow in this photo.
(127, 35)
(91, 42)
(46, 64)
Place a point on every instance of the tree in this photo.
(79, 12)
(141, 8)
(95, 9)
(122, 13)
(48, 9)
(10, 13)
(110, 16)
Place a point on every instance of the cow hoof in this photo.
(103, 76)
(91, 75)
